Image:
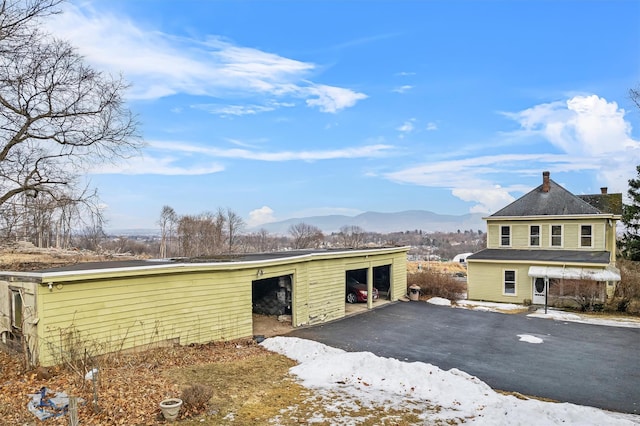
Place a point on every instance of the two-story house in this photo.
(548, 238)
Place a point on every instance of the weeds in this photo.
(435, 284)
(627, 294)
(196, 398)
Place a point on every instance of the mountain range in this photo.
(409, 220)
(382, 223)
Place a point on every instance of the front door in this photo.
(539, 291)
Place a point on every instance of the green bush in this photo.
(435, 284)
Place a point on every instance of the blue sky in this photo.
(281, 109)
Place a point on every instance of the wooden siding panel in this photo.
(114, 311)
(493, 235)
(398, 277)
(486, 282)
(326, 291)
(520, 235)
(146, 311)
(601, 233)
(300, 297)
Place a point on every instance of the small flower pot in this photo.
(171, 408)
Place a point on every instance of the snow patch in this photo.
(529, 339)
(342, 378)
(439, 301)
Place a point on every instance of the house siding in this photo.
(546, 206)
(110, 310)
(123, 314)
(570, 234)
(486, 282)
(326, 286)
(398, 277)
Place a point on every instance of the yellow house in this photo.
(109, 306)
(549, 246)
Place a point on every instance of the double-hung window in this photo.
(556, 235)
(586, 236)
(534, 235)
(505, 236)
(510, 283)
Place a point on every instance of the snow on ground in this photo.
(567, 316)
(488, 306)
(439, 301)
(451, 396)
(529, 338)
(554, 314)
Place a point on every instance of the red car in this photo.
(357, 292)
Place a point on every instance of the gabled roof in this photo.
(557, 201)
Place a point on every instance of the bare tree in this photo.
(58, 116)
(305, 236)
(202, 235)
(351, 236)
(235, 224)
(167, 222)
(92, 234)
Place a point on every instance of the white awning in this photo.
(605, 274)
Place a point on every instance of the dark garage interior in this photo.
(381, 278)
(272, 296)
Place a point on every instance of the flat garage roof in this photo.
(232, 258)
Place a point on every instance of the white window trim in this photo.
(580, 235)
(15, 292)
(510, 236)
(561, 236)
(515, 283)
(539, 236)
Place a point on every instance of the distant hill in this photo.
(383, 222)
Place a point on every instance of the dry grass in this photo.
(251, 386)
(260, 390)
(440, 267)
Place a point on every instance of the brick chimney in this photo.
(603, 190)
(545, 181)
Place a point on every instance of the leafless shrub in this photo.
(589, 295)
(195, 398)
(627, 294)
(435, 284)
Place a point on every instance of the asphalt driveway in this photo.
(584, 364)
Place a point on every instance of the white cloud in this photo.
(157, 165)
(590, 133)
(182, 148)
(234, 110)
(260, 216)
(431, 126)
(586, 126)
(488, 200)
(160, 65)
(177, 158)
(472, 179)
(407, 126)
(402, 89)
(332, 99)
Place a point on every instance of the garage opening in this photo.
(382, 281)
(356, 286)
(272, 296)
(271, 300)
